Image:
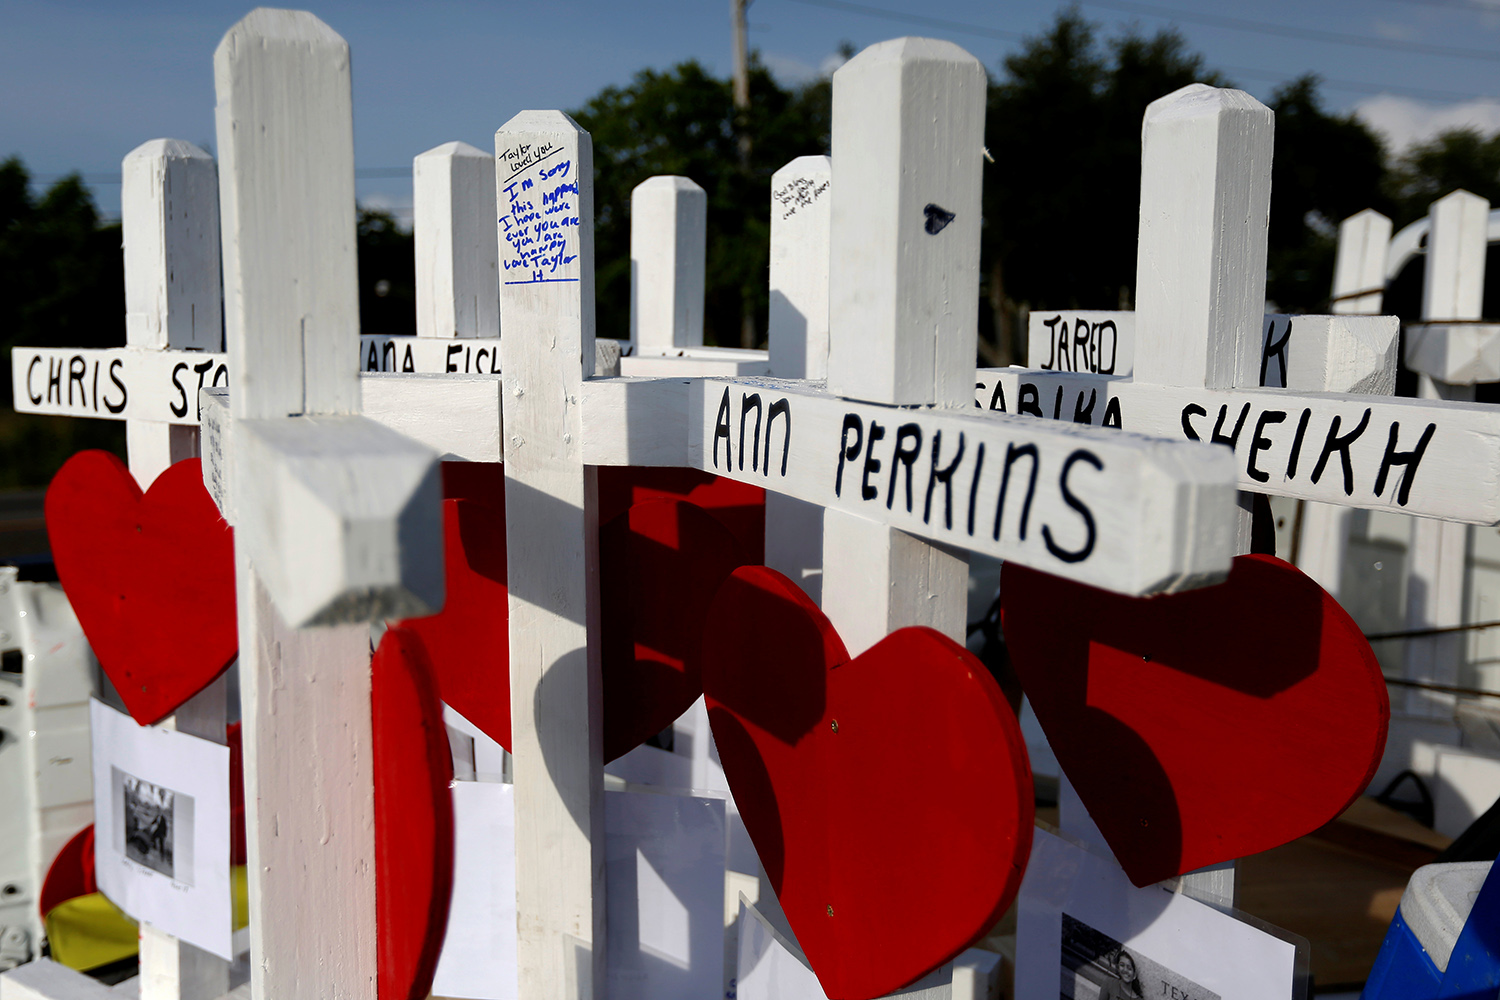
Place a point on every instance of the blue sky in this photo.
(84, 81)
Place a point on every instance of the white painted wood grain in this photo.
(904, 272)
(801, 221)
(1201, 258)
(310, 797)
(1359, 267)
(668, 244)
(544, 160)
(458, 283)
(286, 194)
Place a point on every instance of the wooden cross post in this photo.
(458, 285)
(801, 220)
(908, 139)
(1443, 350)
(544, 192)
(170, 220)
(1358, 288)
(668, 247)
(1201, 266)
(337, 519)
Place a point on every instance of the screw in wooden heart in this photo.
(937, 219)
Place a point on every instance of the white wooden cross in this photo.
(170, 223)
(174, 333)
(337, 519)
(1119, 511)
(1434, 459)
(668, 247)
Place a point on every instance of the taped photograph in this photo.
(1097, 967)
(154, 820)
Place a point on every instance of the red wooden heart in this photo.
(739, 506)
(660, 565)
(1202, 726)
(661, 562)
(151, 578)
(889, 796)
(413, 817)
(467, 642)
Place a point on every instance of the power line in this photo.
(1290, 31)
(931, 22)
(968, 28)
(360, 173)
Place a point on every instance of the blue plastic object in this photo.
(1406, 970)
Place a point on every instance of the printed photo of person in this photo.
(1095, 966)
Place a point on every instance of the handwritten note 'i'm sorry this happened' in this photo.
(539, 221)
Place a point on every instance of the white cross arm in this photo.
(466, 427)
(1422, 457)
(468, 355)
(1117, 511)
(1457, 352)
(1351, 353)
(339, 515)
(116, 383)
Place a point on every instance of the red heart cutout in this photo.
(739, 506)
(150, 577)
(661, 562)
(467, 642)
(413, 817)
(889, 796)
(1201, 726)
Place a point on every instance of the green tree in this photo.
(1061, 199)
(61, 285)
(1326, 168)
(387, 274)
(1461, 158)
(682, 121)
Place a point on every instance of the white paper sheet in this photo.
(664, 871)
(664, 857)
(1085, 932)
(479, 955)
(770, 967)
(161, 828)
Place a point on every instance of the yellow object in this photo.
(89, 931)
(239, 887)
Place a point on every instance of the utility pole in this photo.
(749, 336)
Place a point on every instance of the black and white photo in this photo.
(154, 820)
(1097, 967)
